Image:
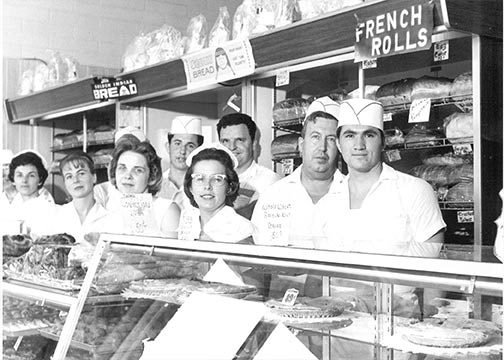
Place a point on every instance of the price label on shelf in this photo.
(419, 111)
(369, 64)
(282, 78)
(392, 155)
(441, 51)
(290, 296)
(465, 216)
(462, 149)
(387, 117)
(287, 166)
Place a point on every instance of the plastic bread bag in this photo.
(286, 13)
(220, 32)
(135, 56)
(196, 34)
(309, 8)
(244, 19)
(57, 69)
(25, 85)
(265, 11)
(71, 69)
(165, 44)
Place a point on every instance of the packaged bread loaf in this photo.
(430, 88)
(448, 159)
(462, 84)
(458, 127)
(395, 92)
(289, 109)
(461, 194)
(393, 137)
(284, 144)
(421, 136)
(433, 174)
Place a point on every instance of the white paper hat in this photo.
(44, 161)
(361, 112)
(131, 131)
(6, 156)
(324, 104)
(184, 124)
(215, 145)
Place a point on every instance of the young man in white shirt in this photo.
(238, 133)
(184, 136)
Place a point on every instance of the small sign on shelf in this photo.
(419, 111)
(441, 51)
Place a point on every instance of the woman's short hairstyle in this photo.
(79, 159)
(153, 162)
(29, 158)
(231, 175)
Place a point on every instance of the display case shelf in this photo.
(433, 143)
(80, 144)
(463, 102)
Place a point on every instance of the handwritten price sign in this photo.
(419, 111)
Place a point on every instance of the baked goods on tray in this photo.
(462, 84)
(289, 109)
(450, 333)
(178, 290)
(307, 308)
(284, 145)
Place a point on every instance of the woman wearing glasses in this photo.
(211, 184)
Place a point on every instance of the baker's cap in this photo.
(214, 145)
(361, 112)
(131, 131)
(6, 156)
(185, 124)
(35, 152)
(324, 104)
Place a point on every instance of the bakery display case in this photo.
(346, 303)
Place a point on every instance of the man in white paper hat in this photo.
(285, 213)
(184, 136)
(238, 132)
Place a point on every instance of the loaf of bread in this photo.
(458, 127)
(461, 194)
(393, 137)
(430, 88)
(369, 92)
(462, 84)
(448, 159)
(395, 92)
(289, 109)
(284, 144)
(420, 136)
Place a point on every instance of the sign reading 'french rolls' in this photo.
(394, 32)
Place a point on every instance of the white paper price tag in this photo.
(290, 296)
(369, 64)
(419, 111)
(462, 149)
(441, 51)
(387, 117)
(282, 78)
(392, 155)
(287, 166)
(466, 216)
(18, 342)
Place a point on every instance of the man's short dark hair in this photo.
(313, 118)
(199, 138)
(237, 119)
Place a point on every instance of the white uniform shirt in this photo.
(170, 191)
(399, 212)
(286, 215)
(67, 221)
(225, 226)
(253, 182)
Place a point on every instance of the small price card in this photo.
(387, 117)
(290, 296)
(287, 166)
(441, 51)
(462, 149)
(282, 78)
(392, 155)
(466, 216)
(419, 111)
(369, 64)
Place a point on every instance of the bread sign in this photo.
(398, 31)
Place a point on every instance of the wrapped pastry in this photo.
(393, 137)
(369, 92)
(286, 13)
(265, 10)
(244, 20)
(309, 8)
(461, 194)
(289, 109)
(430, 87)
(220, 32)
(164, 44)
(434, 174)
(196, 34)
(420, 136)
(461, 173)
(135, 56)
(25, 82)
(448, 159)
(462, 84)
(395, 92)
(458, 127)
(284, 144)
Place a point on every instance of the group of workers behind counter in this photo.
(219, 192)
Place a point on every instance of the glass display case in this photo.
(346, 303)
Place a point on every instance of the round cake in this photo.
(306, 308)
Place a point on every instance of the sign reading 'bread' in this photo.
(398, 31)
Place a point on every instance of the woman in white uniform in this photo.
(33, 204)
(136, 169)
(212, 184)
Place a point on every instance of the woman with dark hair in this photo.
(136, 169)
(32, 203)
(212, 185)
(222, 63)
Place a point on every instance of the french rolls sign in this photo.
(397, 31)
